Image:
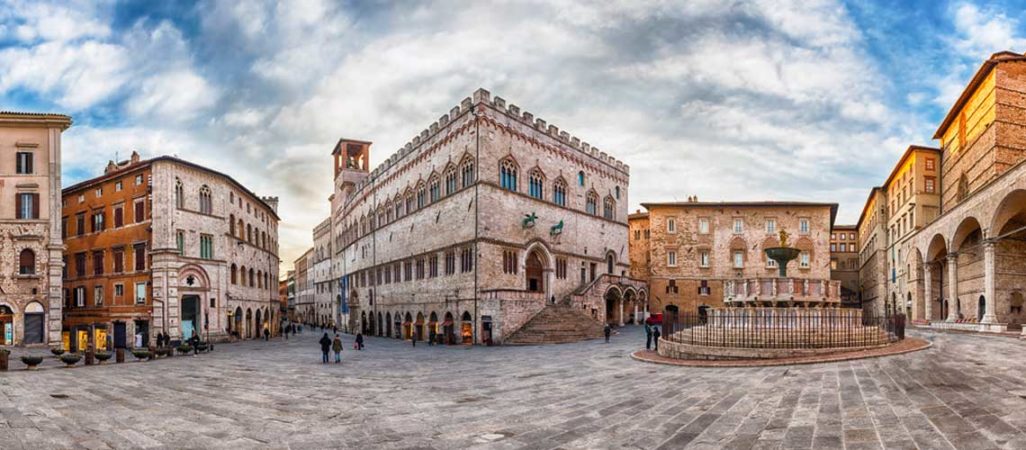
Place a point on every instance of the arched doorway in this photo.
(614, 306)
(237, 330)
(535, 273)
(249, 323)
(467, 328)
(388, 324)
(6, 325)
(372, 328)
(981, 308)
(408, 326)
(908, 305)
(418, 327)
(448, 329)
(34, 330)
(433, 326)
(381, 324)
(258, 328)
(363, 322)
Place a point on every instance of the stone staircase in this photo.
(556, 324)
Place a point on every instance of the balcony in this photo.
(781, 292)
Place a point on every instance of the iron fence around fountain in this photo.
(782, 328)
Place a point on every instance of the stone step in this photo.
(556, 324)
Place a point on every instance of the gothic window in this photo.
(963, 188)
(235, 274)
(388, 212)
(591, 204)
(559, 192)
(450, 181)
(252, 282)
(536, 183)
(609, 208)
(231, 224)
(179, 194)
(435, 188)
(409, 203)
(421, 196)
(508, 175)
(467, 172)
(205, 204)
(580, 178)
(398, 207)
(242, 276)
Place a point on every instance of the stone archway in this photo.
(614, 305)
(542, 264)
(7, 324)
(535, 273)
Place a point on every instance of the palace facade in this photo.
(844, 262)
(476, 226)
(165, 245)
(30, 234)
(699, 255)
(952, 221)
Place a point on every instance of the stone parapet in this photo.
(787, 291)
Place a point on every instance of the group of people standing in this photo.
(335, 345)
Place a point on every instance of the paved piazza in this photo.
(966, 392)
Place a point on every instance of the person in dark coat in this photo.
(607, 330)
(413, 338)
(655, 336)
(648, 336)
(359, 341)
(431, 337)
(325, 347)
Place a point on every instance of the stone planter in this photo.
(119, 355)
(31, 361)
(70, 359)
(57, 351)
(184, 349)
(102, 357)
(90, 357)
(141, 354)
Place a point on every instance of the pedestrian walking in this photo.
(195, 343)
(267, 333)
(648, 336)
(359, 341)
(655, 335)
(607, 331)
(431, 337)
(286, 332)
(336, 345)
(413, 338)
(325, 346)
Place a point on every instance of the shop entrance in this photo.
(34, 318)
(120, 333)
(6, 326)
(190, 312)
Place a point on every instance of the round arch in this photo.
(1010, 214)
(538, 264)
(965, 232)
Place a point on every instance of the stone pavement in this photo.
(966, 392)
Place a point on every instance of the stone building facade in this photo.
(167, 246)
(304, 307)
(473, 228)
(872, 241)
(693, 253)
(962, 266)
(844, 262)
(30, 234)
(323, 284)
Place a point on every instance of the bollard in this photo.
(119, 355)
(90, 357)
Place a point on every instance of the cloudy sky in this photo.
(805, 100)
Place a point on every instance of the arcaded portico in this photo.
(972, 259)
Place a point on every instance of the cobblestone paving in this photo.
(966, 392)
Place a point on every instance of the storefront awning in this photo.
(407, 322)
(447, 322)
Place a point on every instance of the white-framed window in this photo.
(671, 225)
(851, 236)
(844, 247)
(99, 192)
(803, 260)
(739, 259)
(80, 296)
(119, 290)
(671, 258)
(833, 236)
(739, 225)
(117, 186)
(138, 180)
(703, 225)
(833, 247)
(803, 225)
(98, 295)
(140, 293)
(81, 198)
(703, 258)
(771, 226)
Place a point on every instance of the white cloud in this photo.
(983, 32)
(179, 95)
(75, 76)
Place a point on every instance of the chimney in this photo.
(135, 157)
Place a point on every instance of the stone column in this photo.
(989, 315)
(621, 312)
(927, 292)
(636, 316)
(952, 287)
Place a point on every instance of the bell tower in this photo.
(352, 167)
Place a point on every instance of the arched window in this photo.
(580, 178)
(436, 188)
(242, 276)
(536, 184)
(249, 233)
(618, 192)
(260, 279)
(508, 175)
(467, 172)
(27, 262)
(591, 204)
(252, 282)
(231, 224)
(963, 188)
(559, 192)
(206, 205)
(410, 206)
(450, 181)
(398, 206)
(179, 194)
(609, 208)
(235, 274)
(421, 195)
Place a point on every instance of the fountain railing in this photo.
(804, 290)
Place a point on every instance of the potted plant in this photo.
(202, 346)
(184, 349)
(57, 352)
(103, 356)
(141, 354)
(71, 359)
(31, 361)
(5, 355)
